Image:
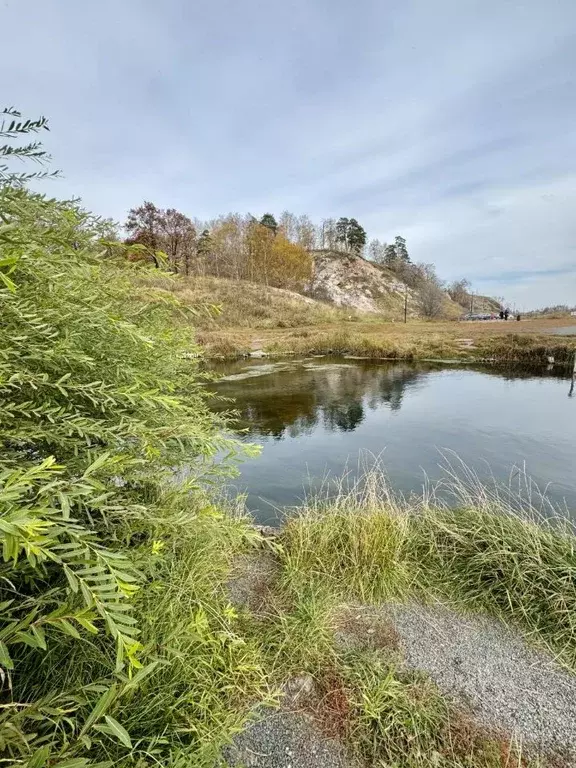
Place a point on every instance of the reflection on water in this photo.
(291, 399)
(316, 416)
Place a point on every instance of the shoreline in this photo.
(450, 343)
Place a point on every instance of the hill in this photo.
(242, 304)
(346, 279)
(343, 287)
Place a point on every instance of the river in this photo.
(315, 418)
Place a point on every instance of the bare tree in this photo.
(458, 291)
(377, 252)
(431, 299)
(178, 239)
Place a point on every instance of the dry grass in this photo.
(236, 317)
(527, 342)
(241, 304)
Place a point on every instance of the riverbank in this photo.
(120, 643)
(412, 634)
(531, 342)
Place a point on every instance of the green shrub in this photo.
(100, 404)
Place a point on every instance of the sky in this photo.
(452, 123)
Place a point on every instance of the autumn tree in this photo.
(144, 224)
(178, 237)
(229, 257)
(289, 264)
(259, 240)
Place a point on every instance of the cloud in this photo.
(451, 122)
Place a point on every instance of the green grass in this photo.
(353, 545)
(488, 556)
(522, 571)
(485, 555)
(399, 718)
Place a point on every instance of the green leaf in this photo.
(100, 708)
(141, 675)
(119, 731)
(84, 622)
(40, 636)
(68, 629)
(39, 758)
(72, 580)
(5, 659)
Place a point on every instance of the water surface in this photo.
(318, 416)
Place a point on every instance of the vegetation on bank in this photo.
(115, 641)
(506, 343)
(118, 643)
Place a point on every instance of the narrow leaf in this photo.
(119, 731)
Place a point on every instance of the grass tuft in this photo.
(353, 543)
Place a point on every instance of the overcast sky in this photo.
(451, 122)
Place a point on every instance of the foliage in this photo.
(401, 250)
(158, 231)
(178, 239)
(342, 226)
(350, 235)
(517, 569)
(269, 222)
(13, 127)
(100, 403)
(390, 258)
(351, 542)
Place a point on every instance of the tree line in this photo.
(276, 252)
(242, 247)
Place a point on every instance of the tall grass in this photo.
(354, 541)
(500, 549)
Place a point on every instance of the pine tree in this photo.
(204, 245)
(356, 236)
(269, 222)
(390, 255)
(401, 250)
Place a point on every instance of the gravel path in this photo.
(285, 740)
(489, 668)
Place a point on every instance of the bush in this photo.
(100, 403)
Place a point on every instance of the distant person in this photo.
(518, 317)
(501, 314)
(506, 314)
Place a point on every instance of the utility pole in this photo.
(405, 303)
